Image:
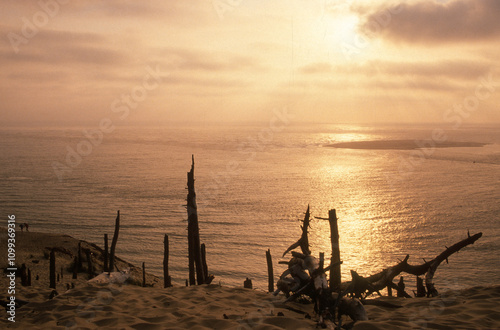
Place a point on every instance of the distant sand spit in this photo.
(127, 306)
(404, 144)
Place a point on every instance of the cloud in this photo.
(434, 22)
(451, 69)
(182, 12)
(62, 48)
(205, 61)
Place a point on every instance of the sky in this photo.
(161, 62)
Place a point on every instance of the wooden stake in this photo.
(204, 261)
(248, 284)
(52, 269)
(90, 267)
(335, 275)
(113, 243)
(143, 274)
(270, 270)
(80, 259)
(167, 280)
(75, 268)
(24, 275)
(194, 250)
(106, 256)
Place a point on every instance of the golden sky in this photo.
(75, 62)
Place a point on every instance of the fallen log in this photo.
(429, 276)
(386, 276)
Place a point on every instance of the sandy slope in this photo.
(111, 306)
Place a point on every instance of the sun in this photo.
(337, 37)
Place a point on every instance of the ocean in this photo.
(253, 185)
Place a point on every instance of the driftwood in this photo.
(167, 280)
(385, 277)
(305, 276)
(113, 243)
(106, 256)
(75, 268)
(79, 265)
(420, 288)
(247, 284)
(90, 267)
(204, 261)
(335, 276)
(270, 272)
(52, 270)
(143, 274)
(24, 275)
(303, 241)
(194, 248)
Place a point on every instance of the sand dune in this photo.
(215, 307)
(128, 306)
(403, 144)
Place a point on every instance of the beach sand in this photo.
(404, 144)
(128, 306)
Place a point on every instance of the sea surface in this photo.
(253, 185)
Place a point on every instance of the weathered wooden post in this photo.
(24, 275)
(167, 280)
(143, 274)
(52, 269)
(90, 267)
(335, 275)
(106, 258)
(321, 260)
(389, 291)
(420, 288)
(247, 284)
(270, 272)
(75, 268)
(80, 259)
(204, 261)
(113, 243)
(194, 250)
(401, 288)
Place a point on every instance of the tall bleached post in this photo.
(195, 262)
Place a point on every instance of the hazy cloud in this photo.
(60, 48)
(436, 22)
(452, 69)
(198, 60)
